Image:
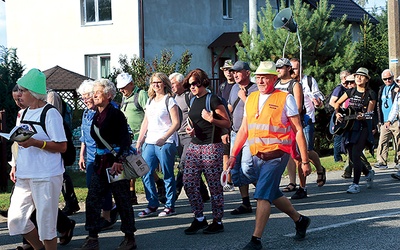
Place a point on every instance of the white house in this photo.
(88, 36)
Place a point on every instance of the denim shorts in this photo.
(244, 172)
(308, 131)
(270, 177)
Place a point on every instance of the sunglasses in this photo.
(387, 79)
(195, 83)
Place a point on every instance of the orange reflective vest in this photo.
(266, 132)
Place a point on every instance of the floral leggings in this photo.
(205, 159)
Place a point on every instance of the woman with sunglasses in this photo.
(205, 152)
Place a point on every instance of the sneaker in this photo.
(167, 212)
(396, 175)
(214, 228)
(252, 246)
(70, 209)
(300, 194)
(128, 243)
(242, 209)
(229, 187)
(353, 189)
(301, 227)
(196, 226)
(91, 243)
(380, 166)
(370, 178)
(147, 212)
(397, 166)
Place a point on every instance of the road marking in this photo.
(348, 223)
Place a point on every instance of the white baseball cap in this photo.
(123, 79)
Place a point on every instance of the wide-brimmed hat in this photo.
(363, 72)
(350, 78)
(123, 79)
(228, 64)
(283, 62)
(34, 80)
(266, 68)
(240, 65)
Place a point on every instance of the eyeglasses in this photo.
(154, 83)
(195, 84)
(387, 79)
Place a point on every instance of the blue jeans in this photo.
(165, 157)
(337, 147)
(309, 134)
(244, 172)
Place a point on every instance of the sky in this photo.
(3, 35)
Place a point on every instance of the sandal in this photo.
(321, 177)
(67, 236)
(25, 247)
(242, 209)
(291, 187)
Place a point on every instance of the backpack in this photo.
(328, 108)
(67, 113)
(179, 111)
(124, 103)
(70, 154)
(208, 104)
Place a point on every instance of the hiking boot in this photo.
(106, 225)
(70, 209)
(214, 228)
(242, 209)
(346, 175)
(353, 189)
(196, 226)
(300, 194)
(301, 227)
(128, 243)
(252, 246)
(91, 243)
(370, 178)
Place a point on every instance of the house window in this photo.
(95, 11)
(97, 66)
(227, 9)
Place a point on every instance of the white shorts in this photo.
(41, 194)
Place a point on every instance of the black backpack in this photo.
(69, 155)
(124, 103)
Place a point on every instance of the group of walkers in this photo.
(255, 131)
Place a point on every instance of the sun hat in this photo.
(227, 65)
(363, 72)
(283, 62)
(350, 78)
(240, 65)
(266, 68)
(123, 79)
(34, 80)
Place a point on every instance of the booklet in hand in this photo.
(113, 177)
(19, 133)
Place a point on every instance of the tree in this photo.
(11, 70)
(327, 46)
(142, 70)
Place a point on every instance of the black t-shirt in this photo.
(203, 129)
(358, 101)
(225, 92)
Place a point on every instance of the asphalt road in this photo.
(368, 220)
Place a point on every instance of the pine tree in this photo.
(327, 46)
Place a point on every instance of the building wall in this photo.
(51, 33)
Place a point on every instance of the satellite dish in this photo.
(284, 19)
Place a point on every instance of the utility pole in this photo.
(394, 36)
